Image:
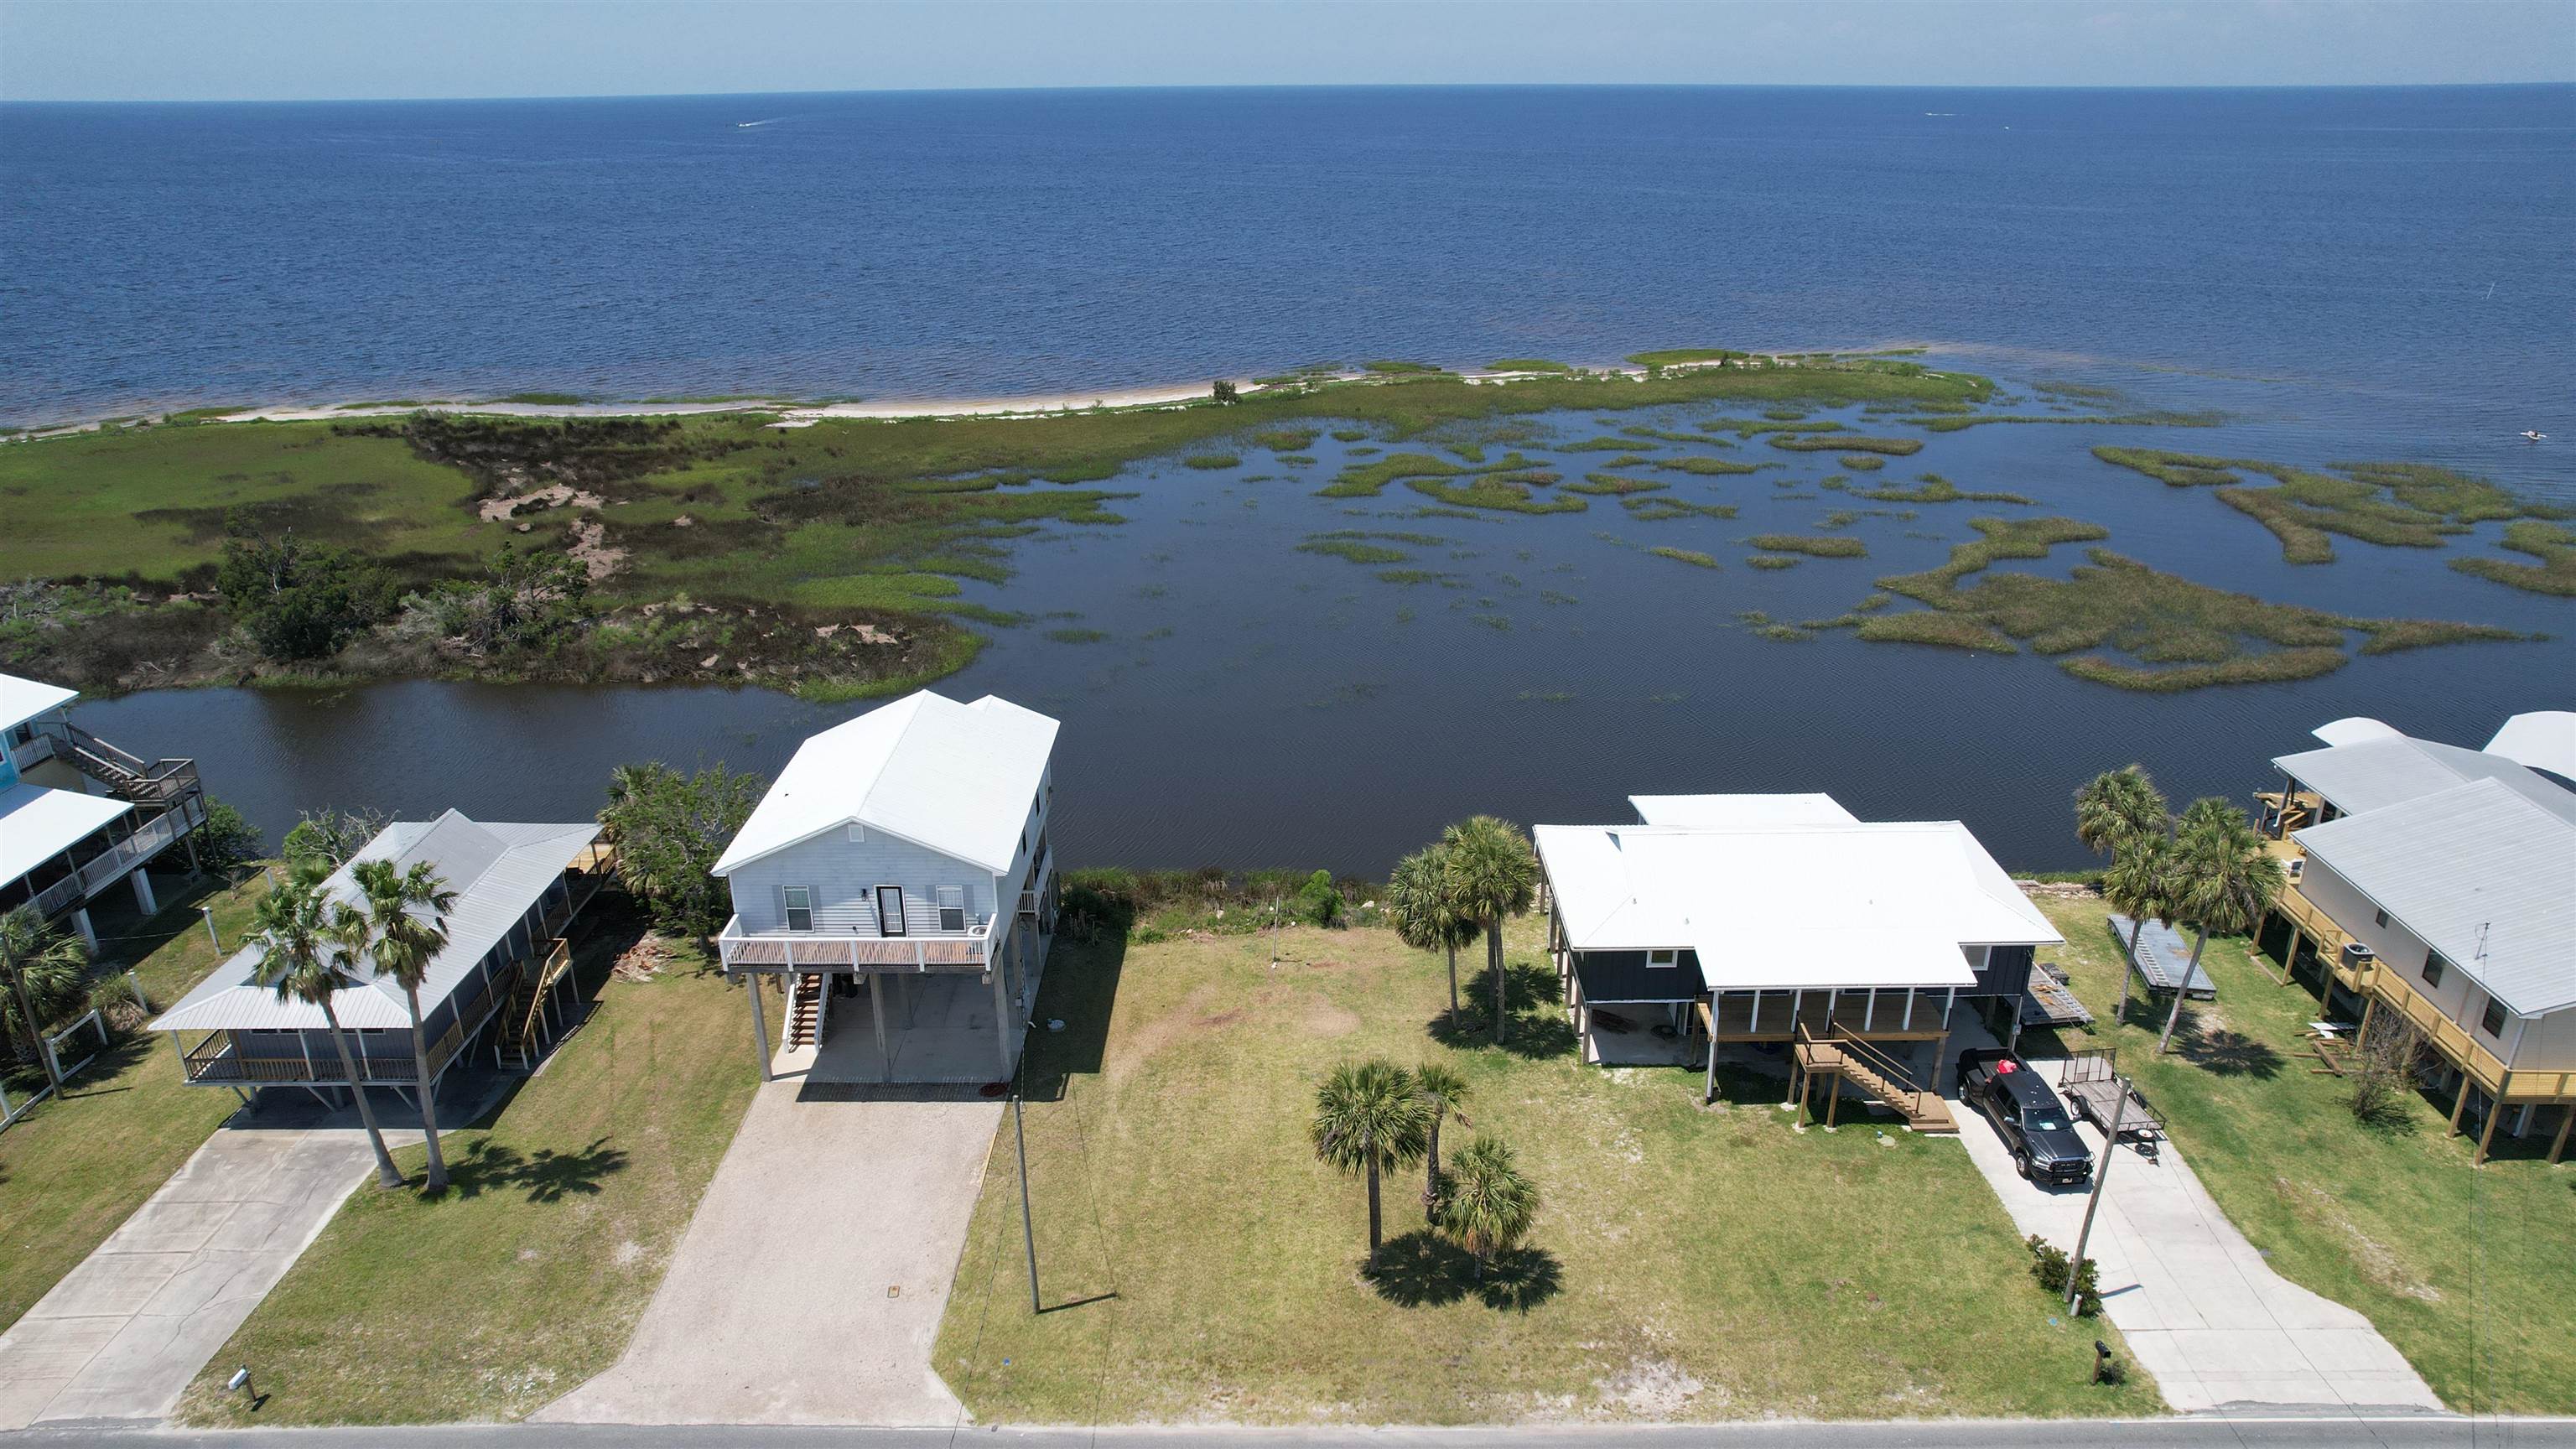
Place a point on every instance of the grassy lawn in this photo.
(529, 1275)
(78, 1166)
(2471, 1272)
(1687, 1264)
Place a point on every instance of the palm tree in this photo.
(399, 927)
(2224, 880)
(1425, 914)
(1492, 875)
(2116, 813)
(53, 961)
(1489, 1206)
(1443, 1093)
(2139, 885)
(299, 958)
(1368, 1117)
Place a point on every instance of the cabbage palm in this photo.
(2224, 880)
(399, 927)
(1369, 1117)
(1492, 874)
(299, 959)
(1426, 914)
(1443, 1093)
(1489, 1206)
(2120, 812)
(41, 964)
(2139, 885)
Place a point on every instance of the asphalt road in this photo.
(2195, 1432)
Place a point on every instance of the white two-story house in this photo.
(896, 884)
(2437, 884)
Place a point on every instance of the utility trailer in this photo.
(2090, 1082)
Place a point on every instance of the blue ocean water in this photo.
(2395, 253)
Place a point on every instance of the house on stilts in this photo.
(2436, 885)
(499, 993)
(896, 885)
(1758, 925)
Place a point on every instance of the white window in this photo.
(889, 910)
(952, 908)
(1662, 958)
(800, 907)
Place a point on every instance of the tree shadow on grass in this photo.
(2226, 1052)
(546, 1176)
(1422, 1269)
(1535, 1023)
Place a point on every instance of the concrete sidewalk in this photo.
(2200, 1308)
(121, 1336)
(810, 1284)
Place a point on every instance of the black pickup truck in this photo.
(2027, 1114)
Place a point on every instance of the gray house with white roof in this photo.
(78, 815)
(1765, 921)
(498, 986)
(2438, 883)
(897, 883)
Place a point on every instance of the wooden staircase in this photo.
(523, 1019)
(805, 1009)
(1845, 1057)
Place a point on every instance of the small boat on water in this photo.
(2532, 435)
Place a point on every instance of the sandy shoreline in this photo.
(796, 415)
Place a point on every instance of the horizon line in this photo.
(2022, 86)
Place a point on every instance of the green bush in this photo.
(1318, 903)
(2048, 1264)
(227, 840)
(299, 599)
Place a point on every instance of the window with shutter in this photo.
(952, 908)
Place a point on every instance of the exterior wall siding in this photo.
(2548, 1043)
(844, 875)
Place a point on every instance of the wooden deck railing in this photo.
(2440, 1032)
(853, 951)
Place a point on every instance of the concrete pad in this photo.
(810, 1284)
(2200, 1308)
(122, 1334)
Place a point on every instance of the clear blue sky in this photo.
(261, 50)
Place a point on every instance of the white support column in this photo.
(143, 900)
(876, 1010)
(1001, 1024)
(1948, 1001)
(88, 933)
(759, 1022)
(1869, 1011)
(1710, 1093)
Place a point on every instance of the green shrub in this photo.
(1318, 903)
(2048, 1264)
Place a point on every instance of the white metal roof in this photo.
(23, 699)
(1734, 812)
(2377, 773)
(2544, 740)
(2353, 729)
(497, 870)
(958, 778)
(38, 824)
(1791, 905)
(2482, 873)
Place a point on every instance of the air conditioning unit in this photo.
(2356, 955)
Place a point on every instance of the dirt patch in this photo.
(1326, 1019)
(1648, 1388)
(1185, 1020)
(559, 495)
(590, 549)
(649, 957)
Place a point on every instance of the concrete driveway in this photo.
(809, 1286)
(123, 1334)
(2199, 1306)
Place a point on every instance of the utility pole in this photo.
(1028, 1232)
(2101, 1175)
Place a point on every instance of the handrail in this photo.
(1884, 1065)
